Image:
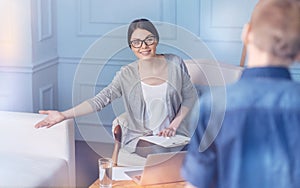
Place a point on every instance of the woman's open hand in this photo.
(53, 118)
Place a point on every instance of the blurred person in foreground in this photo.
(257, 144)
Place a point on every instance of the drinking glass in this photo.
(105, 172)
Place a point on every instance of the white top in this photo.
(155, 99)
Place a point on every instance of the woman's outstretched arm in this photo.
(54, 117)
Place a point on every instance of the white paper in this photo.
(118, 172)
(173, 141)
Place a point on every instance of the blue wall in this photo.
(57, 53)
(84, 24)
(92, 44)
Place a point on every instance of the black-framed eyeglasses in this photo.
(137, 43)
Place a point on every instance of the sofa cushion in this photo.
(32, 171)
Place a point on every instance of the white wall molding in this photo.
(42, 65)
(101, 16)
(83, 85)
(94, 19)
(46, 96)
(93, 132)
(87, 89)
(89, 122)
(44, 11)
(29, 69)
(224, 20)
(95, 61)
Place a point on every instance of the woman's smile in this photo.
(144, 51)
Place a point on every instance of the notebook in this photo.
(167, 142)
(159, 168)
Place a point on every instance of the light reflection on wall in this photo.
(15, 55)
(15, 32)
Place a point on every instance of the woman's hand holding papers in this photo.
(171, 130)
(167, 132)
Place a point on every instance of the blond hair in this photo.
(276, 27)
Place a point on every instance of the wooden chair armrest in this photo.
(117, 144)
(118, 133)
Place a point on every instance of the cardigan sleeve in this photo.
(108, 94)
(188, 91)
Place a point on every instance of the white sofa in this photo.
(31, 157)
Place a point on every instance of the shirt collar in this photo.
(267, 72)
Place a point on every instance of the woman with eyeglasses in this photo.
(156, 90)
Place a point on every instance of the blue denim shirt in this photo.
(257, 145)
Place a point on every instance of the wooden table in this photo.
(130, 183)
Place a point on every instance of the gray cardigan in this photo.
(127, 83)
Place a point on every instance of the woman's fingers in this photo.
(52, 118)
(43, 112)
(167, 132)
(41, 124)
(50, 125)
(45, 123)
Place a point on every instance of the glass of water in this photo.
(105, 172)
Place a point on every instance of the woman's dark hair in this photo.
(141, 23)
